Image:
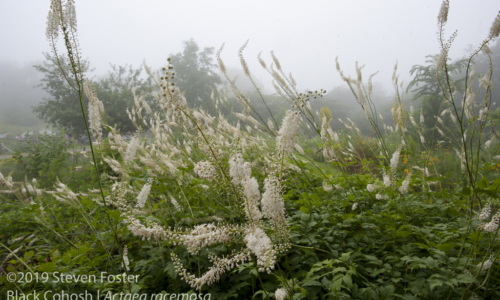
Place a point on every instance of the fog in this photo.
(305, 37)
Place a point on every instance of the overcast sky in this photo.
(305, 35)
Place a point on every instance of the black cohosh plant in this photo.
(226, 198)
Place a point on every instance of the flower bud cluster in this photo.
(205, 169)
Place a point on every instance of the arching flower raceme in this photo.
(143, 195)
(285, 141)
(272, 202)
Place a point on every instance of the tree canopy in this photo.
(62, 108)
(195, 73)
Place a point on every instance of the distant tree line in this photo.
(197, 77)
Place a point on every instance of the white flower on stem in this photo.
(387, 178)
(252, 194)
(272, 202)
(270, 124)
(487, 264)
(131, 150)
(453, 118)
(485, 81)
(12, 253)
(204, 169)
(204, 235)
(299, 149)
(492, 226)
(441, 61)
(240, 172)
(488, 142)
(175, 203)
(495, 27)
(96, 110)
(371, 187)
(260, 244)
(143, 195)
(126, 262)
(285, 141)
(483, 113)
(406, 184)
(280, 294)
(30, 188)
(239, 169)
(443, 12)
(327, 187)
(485, 212)
(257, 241)
(395, 159)
(381, 197)
(412, 119)
(354, 206)
(422, 139)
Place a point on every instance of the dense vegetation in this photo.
(266, 203)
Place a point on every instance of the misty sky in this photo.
(305, 36)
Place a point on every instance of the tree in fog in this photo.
(62, 108)
(195, 74)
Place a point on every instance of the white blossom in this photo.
(395, 159)
(257, 241)
(443, 12)
(441, 61)
(126, 262)
(485, 212)
(492, 226)
(495, 27)
(131, 150)
(252, 194)
(272, 202)
(175, 203)
(299, 149)
(327, 187)
(204, 169)
(487, 264)
(285, 141)
(488, 142)
(280, 294)
(143, 195)
(239, 169)
(387, 178)
(406, 184)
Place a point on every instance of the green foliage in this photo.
(50, 158)
(115, 92)
(379, 217)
